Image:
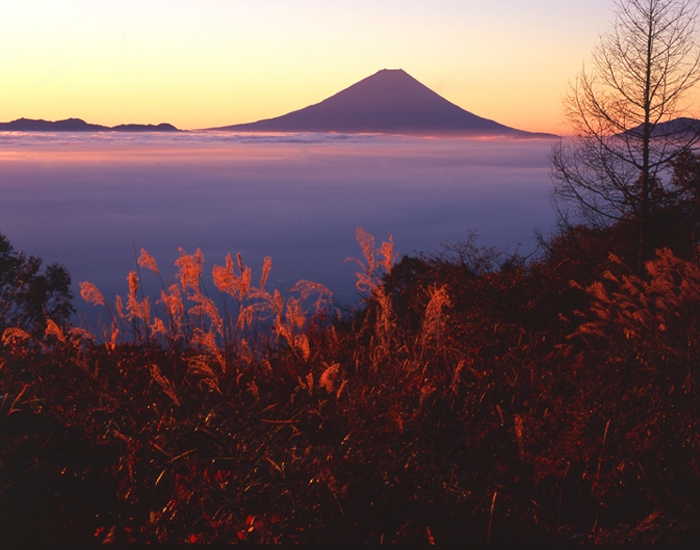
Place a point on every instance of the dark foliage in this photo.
(28, 296)
(503, 400)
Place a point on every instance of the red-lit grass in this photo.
(473, 396)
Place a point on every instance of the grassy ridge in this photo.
(474, 396)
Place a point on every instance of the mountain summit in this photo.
(388, 102)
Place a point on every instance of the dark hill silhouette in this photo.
(681, 128)
(389, 102)
(78, 125)
(163, 127)
(68, 125)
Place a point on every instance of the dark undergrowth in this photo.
(474, 397)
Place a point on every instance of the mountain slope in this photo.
(390, 101)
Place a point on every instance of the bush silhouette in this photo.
(30, 296)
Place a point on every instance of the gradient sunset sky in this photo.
(207, 63)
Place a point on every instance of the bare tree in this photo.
(626, 115)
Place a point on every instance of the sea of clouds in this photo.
(87, 200)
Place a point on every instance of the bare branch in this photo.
(625, 108)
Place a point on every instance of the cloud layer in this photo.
(86, 200)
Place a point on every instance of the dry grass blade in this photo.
(434, 320)
(136, 309)
(369, 280)
(387, 254)
(265, 272)
(309, 288)
(91, 294)
(165, 384)
(147, 261)
(199, 365)
(52, 329)
(173, 302)
(14, 335)
(366, 242)
(190, 269)
(119, 307)
(158, 328)
(81, 333)
(207, 341)
(329, 378)
(301, 343)
(206, 306)
(227, 281)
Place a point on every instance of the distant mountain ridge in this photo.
(678, 127)
(78, 125)
(388, 102)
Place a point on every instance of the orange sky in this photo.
(207, 63)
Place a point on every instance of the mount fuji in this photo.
(388, 102)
